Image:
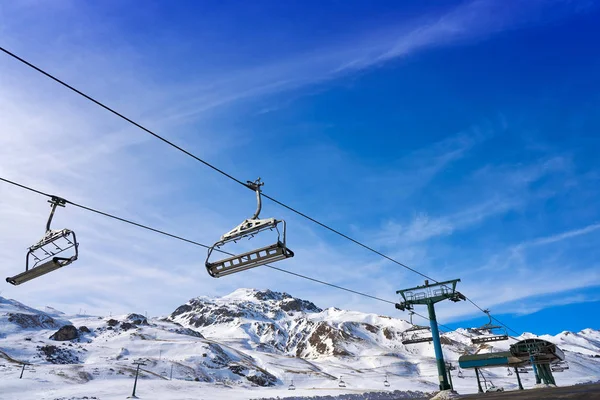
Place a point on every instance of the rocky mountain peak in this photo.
(243, 303)
(261, 295)
(274, 299)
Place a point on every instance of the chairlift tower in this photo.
(428, 295)
(139, 363)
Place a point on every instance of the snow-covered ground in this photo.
(242, 346)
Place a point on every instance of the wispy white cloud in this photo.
(414, 171)
(470, 21)
(500, 189)
(559, 237)
(424, 227)
(533, 307)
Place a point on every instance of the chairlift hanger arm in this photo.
(55, 201)
(256, 186)
(251, 225)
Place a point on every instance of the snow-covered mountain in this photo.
(252, 341)
(279, 323)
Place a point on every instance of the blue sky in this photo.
(460, 138)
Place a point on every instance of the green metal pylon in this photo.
(428, 295)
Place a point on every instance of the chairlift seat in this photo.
(487, 339)
(43, 257)
(410, 335)
(249, 228)
(418, 340)
(250, 259)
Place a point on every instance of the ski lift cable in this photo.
(206, 246)
(206, 163)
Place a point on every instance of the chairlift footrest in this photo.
(248, 260)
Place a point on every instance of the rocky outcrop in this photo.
(67, 332)
(326, 340)
(136, 319)
(258, 377)
(57, 355)
(33, 320)
(261, 378)
(188, 331)
(199, 314)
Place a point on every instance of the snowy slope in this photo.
(16, 317)
(248, 344)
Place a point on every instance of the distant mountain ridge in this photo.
(278, 322)
(259, 337)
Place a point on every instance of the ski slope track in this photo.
(249, 344)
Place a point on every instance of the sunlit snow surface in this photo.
(100, 364)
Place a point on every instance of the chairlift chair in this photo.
(249, 228)
(341, 383)
(386, 383)
(559, 366)
(487, 332)
(292, 387)
(414, 334)
(43, 257)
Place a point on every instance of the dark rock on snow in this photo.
(67, 332)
